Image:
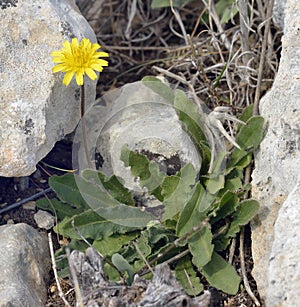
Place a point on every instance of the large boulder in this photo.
(25, 263)
(277, 166)
(36, 109)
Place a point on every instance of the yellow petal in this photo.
(68, 77)
(58, 68)
(79, 78)
(102, 54)
(91, 73)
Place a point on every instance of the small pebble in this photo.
(31, 205)
(44, 219)
(10, 222)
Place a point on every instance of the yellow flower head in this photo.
(79, 59)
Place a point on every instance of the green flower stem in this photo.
(83, 125)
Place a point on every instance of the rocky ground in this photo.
(159, 47)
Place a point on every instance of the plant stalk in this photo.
(83, 125)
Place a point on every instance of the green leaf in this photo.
(228, 12)
(66, 188)
(58, 208)
(246, 114)
(201, 247)
(139, 165)
(187, 277)
(239, 159)
(90, 225)
(110, 245)
(221, 275)
(227, 206)
(193, 212)
(114, 185)
(169, 185)
(109, 208)
(215, 183)
(147, 171)
(123, 266)
(189, 114)
(155, 179)
(155, 4)
(233, 184)
(177, 200)
(245, 212)
(250, 135)
(159, 88)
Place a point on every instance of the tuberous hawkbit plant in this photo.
(202, 212)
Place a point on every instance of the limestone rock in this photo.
(25, 263)
(278, 13)
(137, 116)
(277, 163)
(284, 267)
(36, 109)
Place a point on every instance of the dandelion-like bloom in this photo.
(79, 59)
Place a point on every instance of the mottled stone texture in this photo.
(25, 265)
(277, 166)
(36, 109)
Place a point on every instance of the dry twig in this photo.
(60, 292)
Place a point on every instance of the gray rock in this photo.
(36, 108)
(278, 13)
(24, 262)
(284, 266)
(277, 163)
(44, 219)
(137, 116)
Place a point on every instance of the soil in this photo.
(132, 56)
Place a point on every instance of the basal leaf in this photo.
(226, 206)
(123, 266)
(90, 225)
(250, 135)
(110, 245)
(245, 212)
(155, 179)
(147, 171)
(66, 188)
(177, 200)
(169, 185)
(192, 214)
(114, 185)
(109, 208)
(201, 247)
(246, 114)
(58, 208)
(215, 183)
(221, 275)
(159, 88)
(187, 277)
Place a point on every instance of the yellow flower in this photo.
(79, 59)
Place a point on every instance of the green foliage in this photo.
(221, 274)
(201, 214)
(185, 272)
